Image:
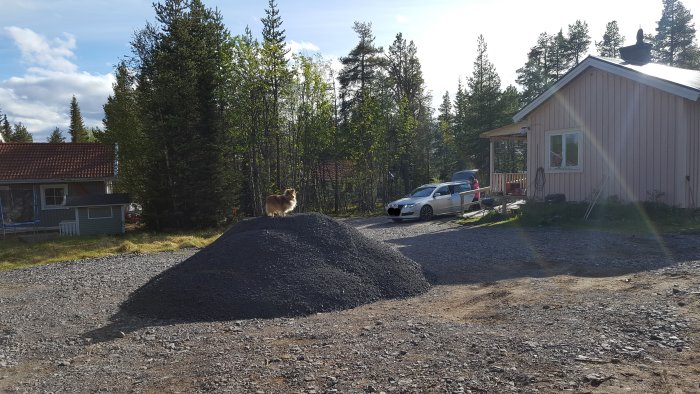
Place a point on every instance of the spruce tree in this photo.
(612, 41)
(122, 129)
(56, 137)
(5, 128)
(181, 90)
(483, 112)
(276, 76)
(76, 128)
(675, 43)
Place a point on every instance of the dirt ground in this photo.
(511, 310)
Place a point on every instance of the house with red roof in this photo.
(64, 187)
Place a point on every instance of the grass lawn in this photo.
(643, 218)
(16, 252)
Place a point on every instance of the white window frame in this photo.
(547, 150)
(43, 188)
(111, 212)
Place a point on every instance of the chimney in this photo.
(639, 53)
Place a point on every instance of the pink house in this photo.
(627, 128)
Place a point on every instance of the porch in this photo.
(508, 159)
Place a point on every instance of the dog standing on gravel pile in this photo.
(280, 204)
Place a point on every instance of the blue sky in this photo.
(51, 50)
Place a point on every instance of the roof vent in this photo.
(639, 53)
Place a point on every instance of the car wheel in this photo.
(426, 213)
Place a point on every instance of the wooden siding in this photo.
(113, 225)
(692, 187)
(641, 136)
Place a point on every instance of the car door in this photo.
(456, 198)
(441, 200)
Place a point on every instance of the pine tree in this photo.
(535, 75)
(77, 127)
(360, 106)
(56, 137)
(612, 41)
(578, 41)
(247, 119)
(20, 134)
(447, 148)
(675, 42)
(406, 82)
(560, 56)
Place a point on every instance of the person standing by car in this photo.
(475, 185)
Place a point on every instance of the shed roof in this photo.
(678, 81)
(513, 130)
(44, 161)
(98, 200)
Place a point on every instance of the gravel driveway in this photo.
(512, 310)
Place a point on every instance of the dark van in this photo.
(464, 175)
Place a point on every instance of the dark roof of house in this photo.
(43, 161)
(327, 170)
(679, 76)
(98, 200)
(678, 81)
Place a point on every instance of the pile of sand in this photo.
(272, 267)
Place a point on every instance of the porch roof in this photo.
(512, 131)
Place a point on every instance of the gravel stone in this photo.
(273, 267)
(613, 322)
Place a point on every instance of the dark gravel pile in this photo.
(273, 267)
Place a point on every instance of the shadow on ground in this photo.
(467, 255)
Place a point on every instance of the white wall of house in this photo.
(646, 139)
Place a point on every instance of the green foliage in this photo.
(180, 65)
(124, 131)
(551, 58)
(5, 128)
(577, 41)
(612, 41)
(20, 134)
(446, 146)
(56, 137)
(481, 108)
(646, 217)
(409, 139)
(77, 128)
(361, 114)
(675, 42)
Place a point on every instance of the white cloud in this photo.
(40, 98)
(298, 47)
(36, 50)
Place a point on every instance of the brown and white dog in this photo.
(280, 204)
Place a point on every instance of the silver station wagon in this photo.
(429, 200)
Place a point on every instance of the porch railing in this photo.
(509, 183)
